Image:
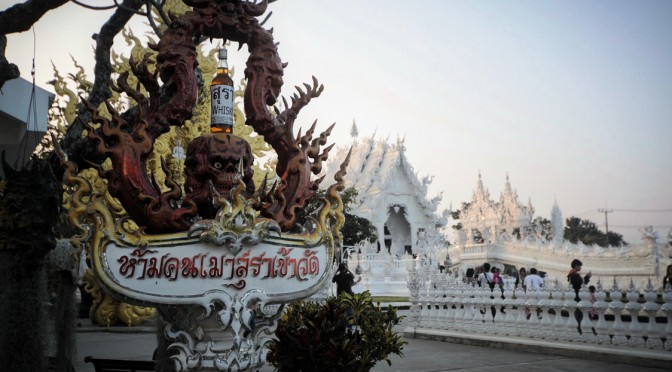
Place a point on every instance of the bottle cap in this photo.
(222, 53)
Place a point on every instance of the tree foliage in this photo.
(576, 230)
(455, 215)
(356, 229)
(587, 232)
(544, 228)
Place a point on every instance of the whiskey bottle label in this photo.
(222, 105)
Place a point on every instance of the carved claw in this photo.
(128, 139)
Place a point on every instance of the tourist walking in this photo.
(667, 280)
(533, 281)
(575, 279)
(485, 276)
(486, 279)
(477, 275)
(344, 280)
(469, 276)
(498, 280)
(520, 280)
(252, 311)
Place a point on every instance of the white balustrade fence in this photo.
(623, 318)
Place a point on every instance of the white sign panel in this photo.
(199, 272)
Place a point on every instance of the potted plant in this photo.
(343, 333)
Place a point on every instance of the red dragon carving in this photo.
(127, 139)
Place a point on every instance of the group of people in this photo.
(491, 276)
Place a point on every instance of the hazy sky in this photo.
(572, 98)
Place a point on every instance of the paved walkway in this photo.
(429, 355)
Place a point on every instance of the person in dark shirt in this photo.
(575, 279)
(344, 280)
(667, 280)
(520, 280)
(252, 323)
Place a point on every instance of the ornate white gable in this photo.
(493, 220)
(390, 193)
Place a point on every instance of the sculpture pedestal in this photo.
(223, 340)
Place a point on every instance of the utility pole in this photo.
(606, 220)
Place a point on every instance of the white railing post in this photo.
(451, 296)
(566, 322)
(583, 307)
(414, 286)
(633, 308)
(470, 311)
(616, 306)
(534, 323)
(498, 320)
(451, 305)
(507, 305)
(424, 301)
(667, 310)
(460, 316)
(546, 327)
(441, 318)
(653, 331)
(558, 302)
(520, 320)
(525, 330)
(433, 305)
(601, 306)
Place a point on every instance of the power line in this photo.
(606, 220)
(639, 227)
(643, 210)
(586, 212)
(600, 210)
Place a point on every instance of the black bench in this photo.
(120, 365)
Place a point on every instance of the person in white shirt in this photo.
(533, 281)
(485, 277)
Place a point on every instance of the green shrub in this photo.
(328, 337)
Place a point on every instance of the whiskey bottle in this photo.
(221, 97)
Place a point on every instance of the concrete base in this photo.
(638, 357)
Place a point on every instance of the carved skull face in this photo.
(215, 157)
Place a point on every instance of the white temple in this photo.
(510, 237)
(495, 221)
(394, 199)
(390, 194)
(505, 234)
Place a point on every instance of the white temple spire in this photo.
(353, 130)
(557, 224)
(530, 208)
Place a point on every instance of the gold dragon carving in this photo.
(106, 311)
(298, 157)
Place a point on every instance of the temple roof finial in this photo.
(353, 130)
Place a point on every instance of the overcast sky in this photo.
(573, 99)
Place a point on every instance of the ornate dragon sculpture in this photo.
(128, 138)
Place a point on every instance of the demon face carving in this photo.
(215, 157)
